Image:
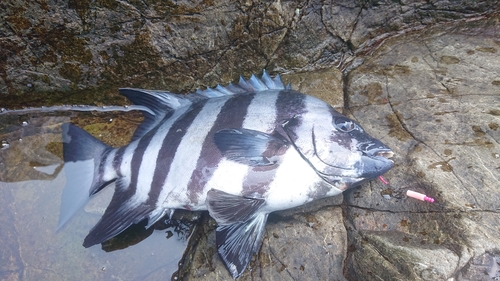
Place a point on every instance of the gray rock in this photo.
(432, 97)
(79, 52)
(306, 243)
(421, 76)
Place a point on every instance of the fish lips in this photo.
(375, 164)
(370, 166)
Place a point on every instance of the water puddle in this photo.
(31, 183)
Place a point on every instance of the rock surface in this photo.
(80, 52)
(415, 74)
(437, 96)
(434, 97)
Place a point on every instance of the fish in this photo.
(239, 151)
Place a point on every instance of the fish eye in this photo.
(344, 124)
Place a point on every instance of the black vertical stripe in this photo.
(117, 161)
(231, 115)
(137, 159)
(168, 149)
(289, 104)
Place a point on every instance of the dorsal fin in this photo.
(160, 103)
(251, 85)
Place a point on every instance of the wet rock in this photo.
(79, 52)
(439, 117)
(485, 267)
(308, 243)
(416, 75)
(31, 153)
(429, 95)
(307, 246)
(324, 84)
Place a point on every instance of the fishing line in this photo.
(411, 193)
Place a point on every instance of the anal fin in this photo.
(157, 214)
(120, 214)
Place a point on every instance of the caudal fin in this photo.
(82, 156)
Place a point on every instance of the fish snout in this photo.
(376, 158)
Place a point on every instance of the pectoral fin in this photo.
(240, 228)
(250, 147)
(237, 242)
(227, 209)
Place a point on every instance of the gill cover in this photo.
(337, 147)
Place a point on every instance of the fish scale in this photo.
(239, 151)
(232, 114)
(166, 169)
(187, 155)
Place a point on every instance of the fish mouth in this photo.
(373, 164)
(377, 162)
(386, 154)
(385, 157)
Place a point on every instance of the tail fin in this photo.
(82, 156)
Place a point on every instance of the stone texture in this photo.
(430, 96)
(422, 76)
(306, 243)
(80, 52)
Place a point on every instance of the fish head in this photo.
(337, 147)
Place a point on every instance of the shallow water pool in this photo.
(31, 184)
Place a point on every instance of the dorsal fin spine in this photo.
(242, 83)
(254, 84)
(270, 83)
(223, 90)
(159, 103)
(257, 84)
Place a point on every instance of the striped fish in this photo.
(239, 151)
